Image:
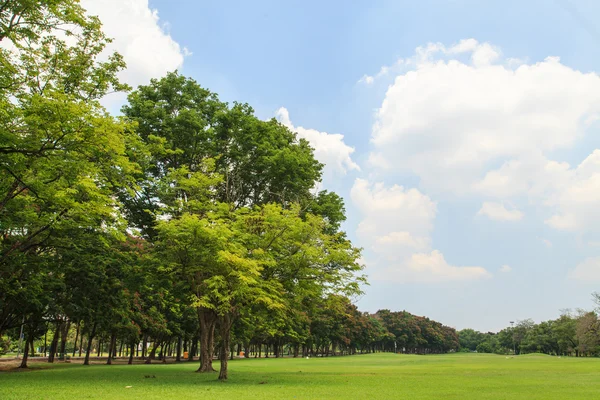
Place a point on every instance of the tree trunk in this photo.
(131, 353)
(89, 345)
(225, 329)
(76, 338)
(46, 340)
(144, 346)
(111, 348)
(63, 340)
(152, 352)
(208, 320)
(25, 353)
(54, 344)
(81, 344)
(178, 356)
(165, 351)
(193, 348)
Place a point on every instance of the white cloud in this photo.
(453, 114)
(396, 224)
(546, 242)
(447, 118)
(430, 268)
(393, 209)
(393, 240)
(330, 149)
(570, 195)
(587, 271)
(576, 202)
(148, 49)
(531, 174)
(505, 269)
(498, 212)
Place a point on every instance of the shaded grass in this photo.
(376, 376)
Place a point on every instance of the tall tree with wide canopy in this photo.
(258, 162)
(185, 124)
(236, 258)
(61, 154)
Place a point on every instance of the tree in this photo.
(566, 334)
(469, 339)
(588, 333)
(194, 138)
(61, 154)
(184, 125)
(520, 331)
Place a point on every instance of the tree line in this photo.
(572, 334)
(184, 225)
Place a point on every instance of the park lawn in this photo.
(373, 376)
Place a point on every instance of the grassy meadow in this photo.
(376, 376)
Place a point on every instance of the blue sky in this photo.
(466, 185)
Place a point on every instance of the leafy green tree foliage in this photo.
(61, 154)
(469, 339)
(230, 258)
(414, 334)
(541, 338)
(184, 125)
(232, 185)
(588, 333)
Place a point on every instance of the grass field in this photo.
(375, 376)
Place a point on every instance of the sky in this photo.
(463, 135)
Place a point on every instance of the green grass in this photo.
(378, 376)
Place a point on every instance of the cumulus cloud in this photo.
(392, 209)
(498, 212)
(469, 122)
(587, 271)
(396, 225)
(430, 268)
(394, 240)
(459, 109)
(147, 47)
(576, 203)
(330, 149)
(569, 194)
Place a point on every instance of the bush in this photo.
(4, 345)
(485, 347)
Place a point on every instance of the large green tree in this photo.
(61, 154)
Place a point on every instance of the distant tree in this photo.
(470, 339)
(520, 331)
(565, 330)
(588, 334)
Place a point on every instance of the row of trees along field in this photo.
(185, 224)
(572, 334)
